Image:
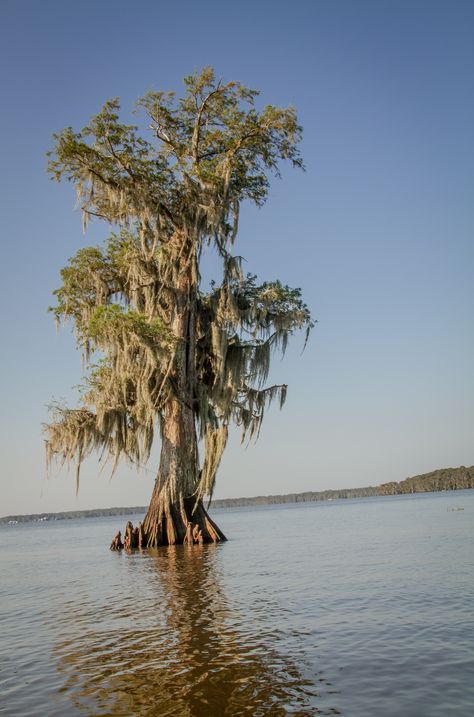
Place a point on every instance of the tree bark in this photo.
(174, 516)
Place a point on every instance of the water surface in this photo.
(359, 608)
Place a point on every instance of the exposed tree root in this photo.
(187, 523)
(116, 543)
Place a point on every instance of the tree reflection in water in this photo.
(176, 646)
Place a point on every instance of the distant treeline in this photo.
(72, 515)
(443, 479)
(307, 497)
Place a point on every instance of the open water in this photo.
(361, 608)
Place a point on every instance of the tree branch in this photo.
(119, 159)
(197, 125)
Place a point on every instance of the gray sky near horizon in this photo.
(378, 232)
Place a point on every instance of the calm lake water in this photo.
(358, 608)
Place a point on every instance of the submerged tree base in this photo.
(186, 523)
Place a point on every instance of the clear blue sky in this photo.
(378, 232)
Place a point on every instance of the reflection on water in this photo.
(168, 643)
(374, 596)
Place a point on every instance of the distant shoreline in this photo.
(443, 479)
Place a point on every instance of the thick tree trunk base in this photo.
(185, 523)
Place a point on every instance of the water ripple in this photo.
(362, 609)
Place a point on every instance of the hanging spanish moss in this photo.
(163, 357)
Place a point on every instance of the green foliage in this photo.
(110, 323)
(86, 282)
(208, 152)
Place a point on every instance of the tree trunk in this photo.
(174, 516)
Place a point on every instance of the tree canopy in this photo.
(149, 332)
